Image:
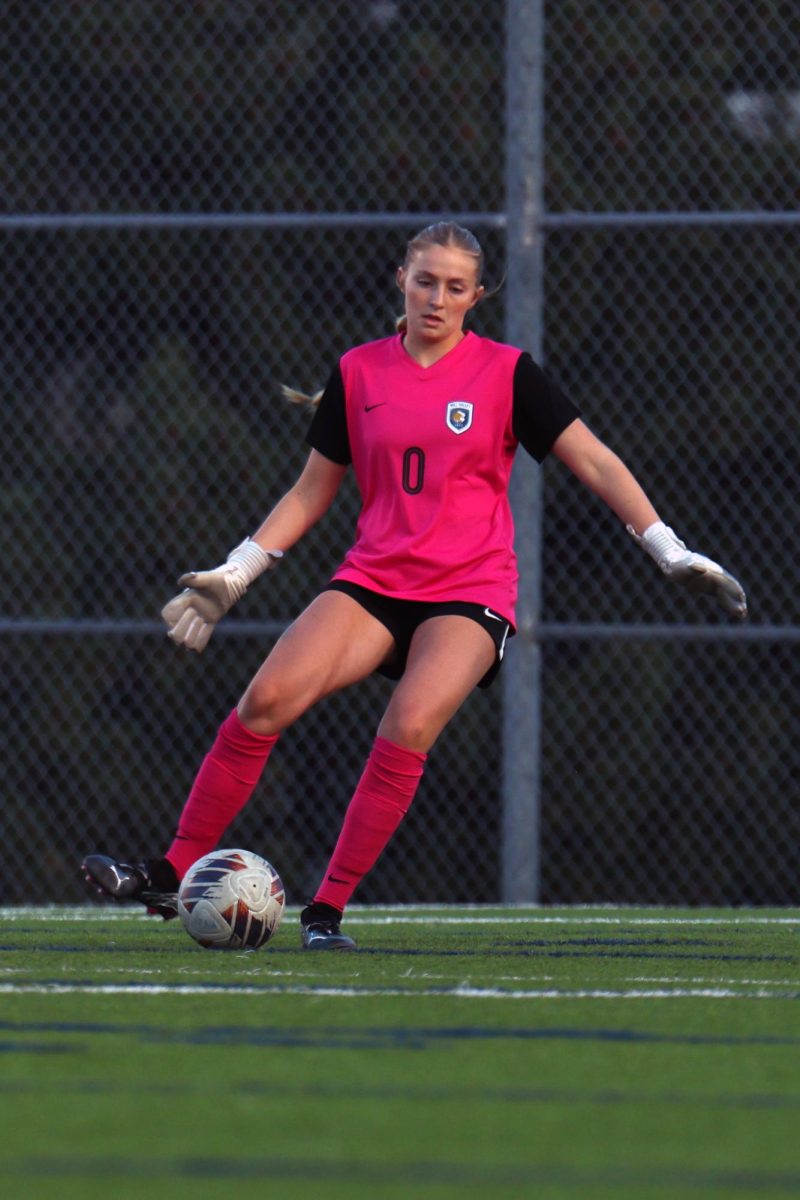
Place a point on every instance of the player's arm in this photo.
(604, 473)
(192, 615)
(303, 505)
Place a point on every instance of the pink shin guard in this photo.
(380, 802)
(222, 787)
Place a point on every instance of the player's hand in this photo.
(191, 616)
(697, 573)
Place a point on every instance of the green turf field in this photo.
(599, 1053)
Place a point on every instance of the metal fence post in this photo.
(524, 255)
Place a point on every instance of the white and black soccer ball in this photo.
(231, 900)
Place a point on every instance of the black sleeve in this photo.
(328, 429)
(541, 410)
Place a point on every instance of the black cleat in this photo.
(320, 930)
(134, 881)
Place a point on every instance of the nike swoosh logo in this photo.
(494, 616)
(333, 879)
(369, 407)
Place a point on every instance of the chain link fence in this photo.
(193, 210)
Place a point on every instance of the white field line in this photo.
(439, 915)
(696, 980)
(461, 992)
(579, 919)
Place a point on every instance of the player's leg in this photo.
(335, 642)
(332, 644)
(448, 657)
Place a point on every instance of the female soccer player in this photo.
(430, 420)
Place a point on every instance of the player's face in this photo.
(440, 286)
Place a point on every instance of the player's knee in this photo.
(412, 727)
(263, 707)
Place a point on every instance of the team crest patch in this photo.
(459, 415)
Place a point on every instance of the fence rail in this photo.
(11, 222)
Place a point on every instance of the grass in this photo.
(460, 1053)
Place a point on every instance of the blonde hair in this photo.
(441, 233)
(301, 398)
(446, 233)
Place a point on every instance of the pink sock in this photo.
(380, 802)
(222, 787)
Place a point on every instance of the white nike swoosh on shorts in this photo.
(494, 616)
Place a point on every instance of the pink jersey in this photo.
(432, 450)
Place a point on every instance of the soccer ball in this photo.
(231, 900)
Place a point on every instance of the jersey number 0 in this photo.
(413, 470)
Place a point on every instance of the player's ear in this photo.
(479, 294)
(400, 278)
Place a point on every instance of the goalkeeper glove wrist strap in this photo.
(252, 561)
(659, 541)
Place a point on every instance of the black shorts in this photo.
(402, 618)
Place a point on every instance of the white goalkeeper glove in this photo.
(696, 572)
(191, 616)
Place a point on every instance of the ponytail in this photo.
(301, 398)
